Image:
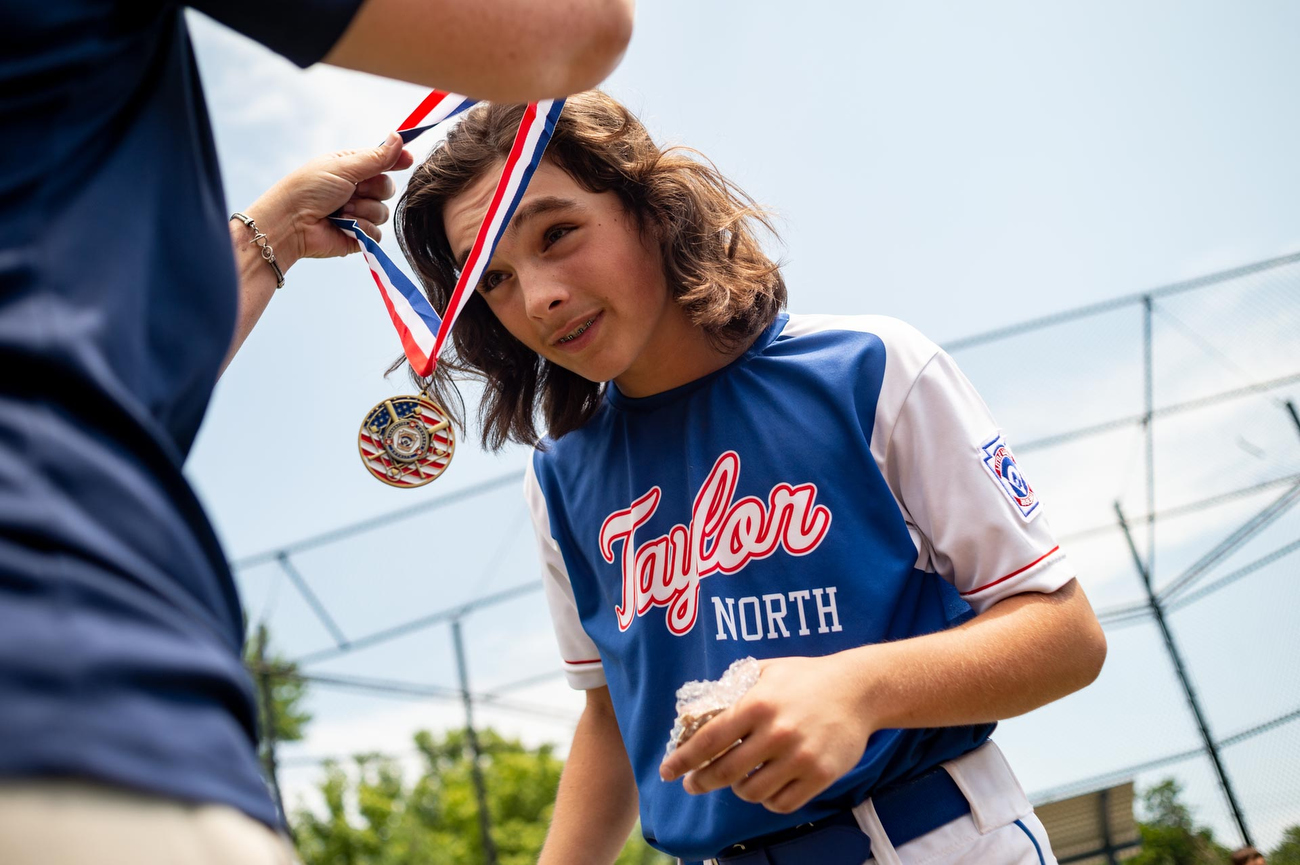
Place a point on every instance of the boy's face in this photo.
(574, 279)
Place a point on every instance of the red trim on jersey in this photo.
(1012, 574)
(592, 661)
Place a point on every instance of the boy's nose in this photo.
(543, 296)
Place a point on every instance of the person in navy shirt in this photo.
(127, 721)
(718, 480)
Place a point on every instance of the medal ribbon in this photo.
(423, 332)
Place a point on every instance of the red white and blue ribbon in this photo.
(436, 107)
(423, 332)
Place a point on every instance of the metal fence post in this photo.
(1211, 748)
(476, 771)
(1103, 805)
(1148, 424)
(268, 721)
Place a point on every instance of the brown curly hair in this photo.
(705, 225)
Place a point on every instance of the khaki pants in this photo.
(73, 823)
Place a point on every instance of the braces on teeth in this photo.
(577, 333)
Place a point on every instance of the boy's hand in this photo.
(807, 720)
(802, 725)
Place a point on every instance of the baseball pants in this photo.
(1000, 829)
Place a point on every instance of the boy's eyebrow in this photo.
(531, 210)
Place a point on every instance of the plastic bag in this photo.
(698, 702)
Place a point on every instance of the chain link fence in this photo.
(1174, 410)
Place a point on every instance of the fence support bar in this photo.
(1103, 805)
(269, 722)
(1195, 705)
(476, 770)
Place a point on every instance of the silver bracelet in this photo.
(268, 254)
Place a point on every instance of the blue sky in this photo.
(959, 166)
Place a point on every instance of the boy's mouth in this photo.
(577, 331)
(578, 334)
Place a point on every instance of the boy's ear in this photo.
(650, 228)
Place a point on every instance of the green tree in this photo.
(1170, 836)
(1288, 852)
(374, 817)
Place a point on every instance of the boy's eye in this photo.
(491, 280)
(555, 233)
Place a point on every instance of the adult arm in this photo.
(807, 721)
(294, 213)
(507, 50)
(596, 806)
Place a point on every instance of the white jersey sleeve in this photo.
(582, 664)
(976, 520)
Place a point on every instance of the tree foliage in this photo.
(1170, 836)
(374, 815)
(1288, 852)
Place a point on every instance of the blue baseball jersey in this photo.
(839, 484)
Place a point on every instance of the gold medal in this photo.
(406, 441)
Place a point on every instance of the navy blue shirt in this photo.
(120, 629)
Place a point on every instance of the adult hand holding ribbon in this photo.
(349, 182)
(294, 215)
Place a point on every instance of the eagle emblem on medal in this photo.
(406, 441)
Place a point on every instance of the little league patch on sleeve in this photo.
(1002, 466)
